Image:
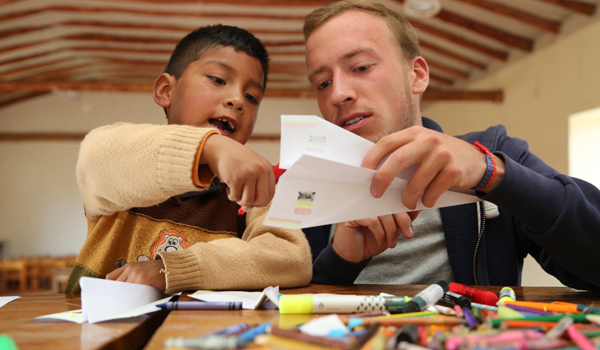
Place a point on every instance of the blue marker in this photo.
(219, 342)
(250, 334)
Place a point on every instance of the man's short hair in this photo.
(195, 44)
(405, 34)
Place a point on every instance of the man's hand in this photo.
(358, 240)
(249, 177)
(141, 272)
(445, 162)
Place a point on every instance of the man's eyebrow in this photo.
(344, 57)
(229, 68)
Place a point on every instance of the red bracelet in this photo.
(490, 170)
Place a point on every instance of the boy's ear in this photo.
(163, 90)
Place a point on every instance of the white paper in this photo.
(324, 326)
(324, 183)
(250, 300)
(104, 300)
(6, 300)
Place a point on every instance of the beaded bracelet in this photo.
(490, 170)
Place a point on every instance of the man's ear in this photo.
(163, 90)
(420, 74)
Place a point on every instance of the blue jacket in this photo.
(551, 216)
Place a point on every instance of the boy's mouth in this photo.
(222, 124)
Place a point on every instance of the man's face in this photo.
(222, 89)
(363, 84)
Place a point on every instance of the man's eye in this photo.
(362, 68)
(324, 85)
(217, 80)
(252, 99)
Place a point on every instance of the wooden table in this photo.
(17, 320)
(187, 323)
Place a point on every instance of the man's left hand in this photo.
(445, 162)
(142, 272)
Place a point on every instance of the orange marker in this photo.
(566, 308)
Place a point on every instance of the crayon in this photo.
(586, 309)
(439, 320)
(529, 310)
(470, 319)
(484, 306)
(474, 294)
(443, 310)
(559, 328)
(277, 342)
(593, 319)
(200, 305)
(458, 310)
(579, 339)
(566, 308)
(554, 318)
(218, 342)
(322, 341)
(427, 297)
(454, 342)
(408, 333)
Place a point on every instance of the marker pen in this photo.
(451, 299)
(328, 304)
(427, 297)
(408, 333)
(506, 294)
(474, 294)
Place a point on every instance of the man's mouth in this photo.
(354, 120)
(222, 124)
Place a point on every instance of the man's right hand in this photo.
(249, 177)
(358, 240)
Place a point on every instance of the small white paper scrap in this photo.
(323, 326)
(6, 300)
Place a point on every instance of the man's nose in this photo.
(342, 92)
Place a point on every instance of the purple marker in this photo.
(529, 309)
(471, 321)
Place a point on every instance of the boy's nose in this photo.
(234, 102)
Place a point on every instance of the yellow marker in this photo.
(506, 294)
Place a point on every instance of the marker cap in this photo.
(295, 304)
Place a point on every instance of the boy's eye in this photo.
(324, 85)
(252, 99)
(217, 80)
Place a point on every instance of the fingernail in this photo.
(411, 233)
(374, 192)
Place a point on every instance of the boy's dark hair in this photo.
(196, 43)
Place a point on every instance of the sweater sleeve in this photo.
(265, 256)
(126, 165)
(558, 213)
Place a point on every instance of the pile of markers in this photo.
(442, 316)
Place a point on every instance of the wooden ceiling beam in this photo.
(163, 14)
(429, 95)
(457, 73)
(284, 3)
(429, 46)
(33, 66)
(586, 8)
(440, 79)
(464, 95)
(509, 39)
(501, 55)
(522, 16)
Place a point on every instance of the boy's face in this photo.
(222, 89)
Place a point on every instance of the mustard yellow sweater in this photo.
(131, 177)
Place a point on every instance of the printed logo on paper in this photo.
(305, 203)
(316, 144)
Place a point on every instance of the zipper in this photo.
(479, 241)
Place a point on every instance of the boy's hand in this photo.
(358, 240)
(141, 272)
(249, 177)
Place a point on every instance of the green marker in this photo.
(7, 343)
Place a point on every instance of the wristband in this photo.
(490, 170)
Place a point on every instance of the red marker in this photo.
(278, 172)
(476, 295)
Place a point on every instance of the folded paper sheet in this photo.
(250, 300)
(324, 183)
(104, 300)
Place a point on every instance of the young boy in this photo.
(157, 215)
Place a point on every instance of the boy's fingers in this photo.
(113, 275)
(404, 224)
(390, 230)
(265, 189)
